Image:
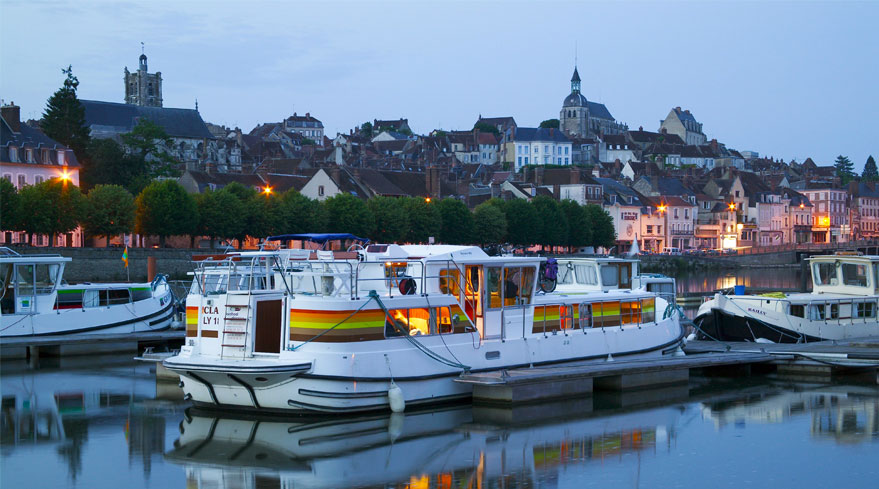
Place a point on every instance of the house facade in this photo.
(540, 146)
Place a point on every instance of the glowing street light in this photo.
(427, 200)
(662, 207)
(267, 190)
(732, 206)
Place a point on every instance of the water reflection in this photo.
(709, 281)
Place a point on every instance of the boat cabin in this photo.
(578, 275)
(28, 283)
(845, 273)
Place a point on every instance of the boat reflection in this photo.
(846, 414)
(455, 447)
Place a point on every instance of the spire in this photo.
(575, 81)
(143, 59)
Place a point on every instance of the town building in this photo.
(141, 87)
(830, 216)
(307, 126)
(540, 146)
(581, 118)
(684, 125)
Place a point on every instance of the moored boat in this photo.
(299, 330)
(841, 305)
(36, 301)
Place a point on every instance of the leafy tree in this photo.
(164, 208)
(261, 212)
(457, 222)
(523, 227)
(486, 127)
(148, 140)
(109, 164)
(845, 169)
(424, 220)
(579, 232)
(489, 224)
(64, 117)
(601, 224)
(550, 124)
(110, 211)
(220, 215)
(366, 129)
(552, 222)
(391, 219)
(348, 214)
(870, 173)
(53, 207)
(9, 209)
(299, 214)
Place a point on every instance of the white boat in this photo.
(298, 330)
(842, 305)
(36, 301)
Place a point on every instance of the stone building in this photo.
(143, 88)
(684, 125)
(582, 118)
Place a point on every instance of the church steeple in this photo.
(575, 81)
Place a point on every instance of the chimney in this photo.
(640, 128)
(678, 108)
(664, 130)
(575, 176)
(12, 115)
(853, 188)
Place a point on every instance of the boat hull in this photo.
(723, 326)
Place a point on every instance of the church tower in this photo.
(574, 115)
(143, 88)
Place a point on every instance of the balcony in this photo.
(680, 232)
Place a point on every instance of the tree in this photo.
(220, 215)
(457, 222)
(489, 224)
(391, 219)
(164, 208)
(870, 173)
(579, 232)
(110, 211)
(9, 208)
(424, 220)
(348, 214)
(550, 124)
(109, 164)
(148, 140)
(601, 224)
(53, 207)
(845, 169)
(64, 117)
(366, 129)
(299, 214)
(261, 212)
(486, 127)
(523, 227)
(552, 222)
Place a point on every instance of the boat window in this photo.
(865, 310)
(91, 298)
(141, 294)
(449, 281)
(25, 278)
(566, 317)
(834, 311)
(7, 291)
(585, 315)
(117, 296)
(526, 287)
(512, 286)
(47, 275)
(854, 274)
(817, 312)
(422, 321)
(493, 287)
(798, 310)
(606, 314)
(630, 312)
(586, 274)
(609, 275)
(648, 310)
(824, 273)
(566, 274)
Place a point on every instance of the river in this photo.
(106, 423)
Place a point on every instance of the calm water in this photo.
(769, 278)
(69, 425)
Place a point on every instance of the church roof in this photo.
(596, 110)
(576, 76)
(121, 118)
(575, 99)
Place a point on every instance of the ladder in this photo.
(236, 319)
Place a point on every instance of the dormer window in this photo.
(13, 154)
(29, 154)
(61, 160)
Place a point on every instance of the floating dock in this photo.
(86, 344)
(813, 361)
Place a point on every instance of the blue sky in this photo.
(787, 79)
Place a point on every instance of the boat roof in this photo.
(595, 259)
(461, 254)
(316, 237)
(34, 259)
(845, 256)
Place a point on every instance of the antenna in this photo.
(575, 53)
(141, 48)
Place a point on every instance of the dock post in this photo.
(151, 268)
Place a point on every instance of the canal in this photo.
(106, 422)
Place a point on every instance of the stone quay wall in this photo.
(106, 265)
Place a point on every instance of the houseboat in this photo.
(343, 331)
(36, 301)
(842, 305)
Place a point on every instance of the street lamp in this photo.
(662, 210)
(267, 190)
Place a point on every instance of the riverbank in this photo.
(106, 265)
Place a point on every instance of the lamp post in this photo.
(662, 210)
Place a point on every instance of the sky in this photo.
(786, 79)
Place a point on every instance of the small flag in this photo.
(125, 257)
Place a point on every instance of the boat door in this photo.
(492, 303)
(268, 326)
